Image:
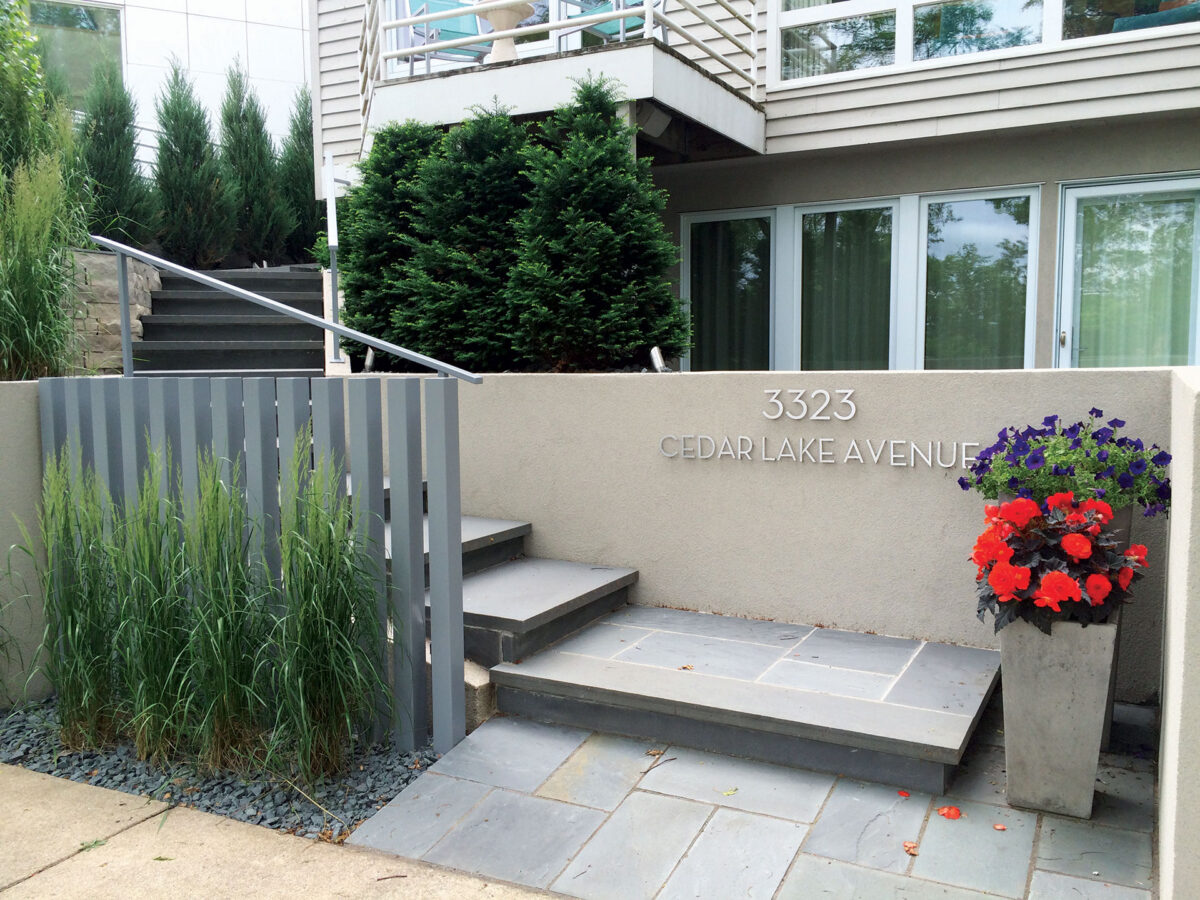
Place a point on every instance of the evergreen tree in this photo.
(262, 219)
(297, 180)
(375, 220)
(451, 297)
(121, 206)
(197, 220)
(590, 288)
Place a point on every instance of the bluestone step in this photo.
(485, 542)
(518, 607)
(886, 709)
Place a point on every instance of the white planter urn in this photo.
(1056, 701)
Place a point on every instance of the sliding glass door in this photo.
(1131, 262)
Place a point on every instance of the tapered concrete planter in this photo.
(1055, 706)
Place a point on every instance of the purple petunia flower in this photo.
(1138, 466)
(1036, 459)
(1117, 423)
(1026, 493)
(1125, 480)
(1014, 483)
(1164, 491)
(1137, 445)
(1102, 435)
(964, 484)
(1100, 492)
(1095, 413)
(1049, 421)
(1161, 458)
(1102, 455)
(1106, 473)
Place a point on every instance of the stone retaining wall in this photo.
(98, 321)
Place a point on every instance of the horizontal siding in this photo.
(1064, 85)
(339, 25)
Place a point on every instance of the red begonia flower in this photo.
(1020, 511)
(1056, 588)
(1137, 552)
(1103, 511)
(1077, 546)
(1063, 501)
(1008, 579)
(1098, 587)
(1124, 577)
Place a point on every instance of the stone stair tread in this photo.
(233, 345)
(477, 533)
(206, 293)
(914, 699)
(266, 318)
(529, 592)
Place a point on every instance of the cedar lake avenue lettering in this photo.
(817, 406)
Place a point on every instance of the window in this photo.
(1128, 274)
(943, 281)
(73, 38)
(728, 288)
(827, 37)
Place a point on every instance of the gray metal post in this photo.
(195, 432)
(106, 435)
(52, 403)
(292, 394)
(445, 562)
(135, 415)
(229, 429)
(126, 326)
(329, 424)
(331, 232)
(262, 469)
(410, 724)
(79, 421)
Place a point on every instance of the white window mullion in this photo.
(1052, 22)
(785, 291)
(908, 321)
(904, 33)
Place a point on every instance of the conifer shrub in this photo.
(589, 289)
(297, 181)
(451, 290)
(196, 225)
(262, 217)
(375, 224)
(121, 199)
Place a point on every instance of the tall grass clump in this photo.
(328, 640)
(154, 615)
(231, 623)
(77, 588)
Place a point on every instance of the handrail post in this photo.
(445, 562)
(331, 230)
(647, 19)
(126, 325)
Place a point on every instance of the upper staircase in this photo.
(197, 330)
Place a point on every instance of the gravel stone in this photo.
(374, 774)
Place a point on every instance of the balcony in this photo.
(690, 70)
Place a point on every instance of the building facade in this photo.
(862, 184)
(269, 38)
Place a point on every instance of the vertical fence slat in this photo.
(134, 402)
(195, 432)
(262, 468)
(445, 562)
(52, 405)
(293, 419)
(329, 423)
(366, 471)
(79, 420)
(229, 428)
(164, 430)
(409, 724)
(106, 435)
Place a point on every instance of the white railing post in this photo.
(331, 230)
(126, 319)
(648, 19)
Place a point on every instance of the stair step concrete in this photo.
(886, 709)
(213, 303)
(219, 327)
(226, 355)
(518, 607)
(485, 542)
(229, 373)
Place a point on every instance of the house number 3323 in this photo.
(816, 406)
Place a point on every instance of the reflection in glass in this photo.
(840, 46)
(789, 5)
(72, 39)
(972, 26)
(977, 264)
(1134, 283)
(846, 289)
(1084, 18)
(731, 294)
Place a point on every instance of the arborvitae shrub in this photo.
(196, 226)
(261, 215)
(121, 207)
(297, 181)
(451, 303)
(375, 224)
(589, 289)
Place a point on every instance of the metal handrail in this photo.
(124, 250)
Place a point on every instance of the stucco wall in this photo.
(1179, 759)
(20, 484)
(1046, 158)
(866, 546)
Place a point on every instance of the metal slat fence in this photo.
(251, 425)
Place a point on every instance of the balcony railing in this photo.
(398, 35)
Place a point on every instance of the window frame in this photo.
(1066, 310)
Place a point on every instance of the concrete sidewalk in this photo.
(63, 839)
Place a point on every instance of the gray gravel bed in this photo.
(29, 738)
